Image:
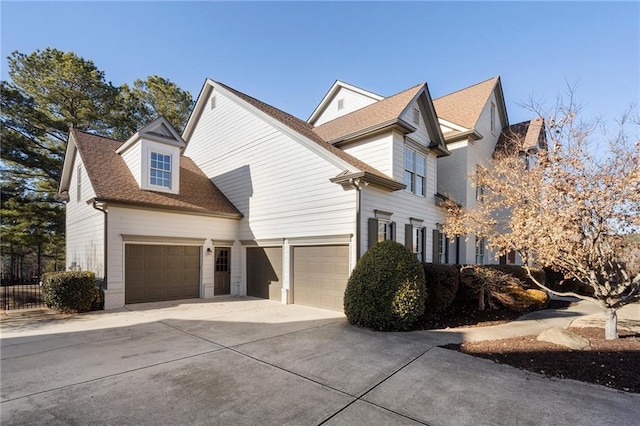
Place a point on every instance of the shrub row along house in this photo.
(250, 200)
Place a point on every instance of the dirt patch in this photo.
(612, 363)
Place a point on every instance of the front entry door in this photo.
(222, 276)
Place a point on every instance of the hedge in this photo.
(442, 282)
(69, 291)
(520, 273)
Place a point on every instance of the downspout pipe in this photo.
(103, 286)
(355, 184)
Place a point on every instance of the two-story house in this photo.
(250, 200)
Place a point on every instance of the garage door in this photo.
(264, 272)
(320, 275)
(154, 273)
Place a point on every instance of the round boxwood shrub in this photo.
(70, 291)
(386, 290)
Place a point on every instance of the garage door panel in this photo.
(320, 275)
(157, 272)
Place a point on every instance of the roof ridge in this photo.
(375, 104)
(468, 87)
(74, 129)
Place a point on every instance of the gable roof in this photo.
(384, 112)
(297, 128)
(524, 136)
(337, 85)
(113, 182)
(159, 130)
(463, 107)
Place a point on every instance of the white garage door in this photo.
(320, 275)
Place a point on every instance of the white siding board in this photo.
(374, 151)
(133, 158)
(281, 186)
(84, 226)
(353, 101)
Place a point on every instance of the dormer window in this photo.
(160, 170)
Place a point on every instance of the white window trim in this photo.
(414, 174)
(480, 251)
(147, 149)
(150, 168)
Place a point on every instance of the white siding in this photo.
(402, 204)
(421, 135)
(375, 151)
(280, 185)
(133, 158)
(455, 173)
(129, 221)
(84, 226)
(352, 101)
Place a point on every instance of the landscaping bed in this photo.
(612, 363)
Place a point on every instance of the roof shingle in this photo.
(465, 106)
(383, 111)
(521, 137)
(112, 180)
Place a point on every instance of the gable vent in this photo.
(213, 102)
(340, 103)
(416, 116)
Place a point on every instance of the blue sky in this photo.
(289, 54)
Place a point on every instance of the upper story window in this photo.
(415, 168)
(160, 170)
(493, 117)
(480, 243)
(79, 184)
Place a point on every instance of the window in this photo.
(415, 168)
(160, 170)
(418, 242)
(511, 257)
(480, 243)
(442, 248)
(479, 186)
(79, 185)
(384, 229)
(493, 117)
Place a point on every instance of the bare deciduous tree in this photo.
(575, 208)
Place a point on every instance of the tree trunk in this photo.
(610, 324)
(481, 300)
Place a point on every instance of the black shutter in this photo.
(423, 239)
(373, 232)
(408, 237)
(392, 231)
(436, 246)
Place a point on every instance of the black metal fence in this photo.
(21, 296)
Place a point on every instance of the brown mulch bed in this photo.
(466, 315)
(612, 363)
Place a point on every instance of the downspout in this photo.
(103, 286)
(355, 184)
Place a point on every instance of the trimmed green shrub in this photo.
(69, 291)
(520, 273)
(386, 290)
(442, 286)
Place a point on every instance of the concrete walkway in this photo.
(248, 361)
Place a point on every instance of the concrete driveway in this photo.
(249, 361)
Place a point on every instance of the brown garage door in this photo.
(264, 272)
(154, 273)
(320, 275)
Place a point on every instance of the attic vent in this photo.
(213, 102)
(416, 116)
(340, 103)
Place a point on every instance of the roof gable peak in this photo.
(159, 130)
(333, 90)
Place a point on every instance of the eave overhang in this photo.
(171, 209)
(367, 178)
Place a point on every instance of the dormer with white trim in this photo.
(153, 156)
(341, 99)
